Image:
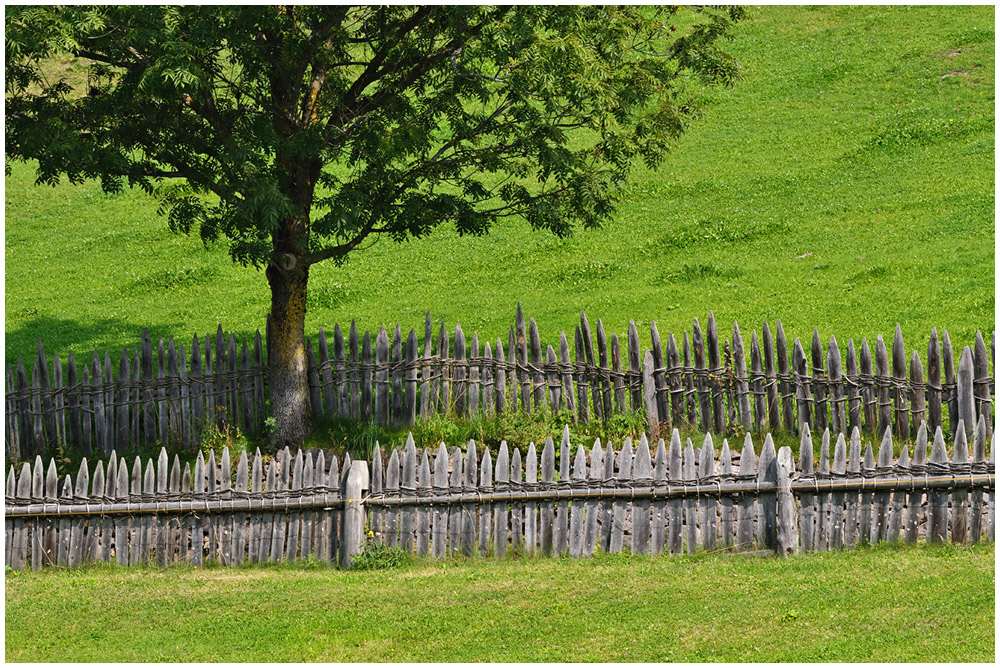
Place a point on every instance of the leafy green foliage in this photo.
(378, 557)
(305, 130)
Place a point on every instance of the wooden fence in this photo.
(367, 377)
(691, 384)
(91, 411)
(674, 500)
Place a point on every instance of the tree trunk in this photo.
(288, 379)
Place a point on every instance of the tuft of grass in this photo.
(887, 603)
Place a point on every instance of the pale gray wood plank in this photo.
(500, 512)
(377, 512)
(708, 504)
(965, 390)
(474, 385)
(547, 511)
(675, 506)
(483, 509)
(355, 481)
(308, 516)
(852, 502)
(727, 523)
(312, 376)
(838, 473)
(819, 389)
(802, 388)
(521, 373)
(900, 397)
(807, 508)
(914, 499)
(552, 380)
(392, 513)
(742, 387)
(59, 400)
(20, 542)
(634, 367)
(868, 391)
(76, 548)
(767, 530)
(592, 378)
(838, 412)
(72, 403)
(566, 378)
(501, 379)
(649, 392)
(256, 519)
(489, 366)
(459, 391)
(355, 375)
(247, 405)
(455, 511)
(602, 358)
(149, 522)
(561, 528)
(537, 377)
(340, 377)
(700, 380)
(978, 462)
(937, 499)
(65, 498)
(366, 377)
(49, 417)
(757, 384)
(530, 507)
(382, 377)
(425, 371)
(785, 387)
(280, 464)
(678, 381)
(960, 495)
(865, 524)
(624, 474)
(917, 391)
(408, 488)
(396, 396)
(642, 476)
(294, 518)
(423, 525)
(786, 539)
(853, 388)
(606, 511)
(933, 381)
(332, 522)
(517, 507)
(824, 499)
(578, 506)
(198, 519)
(439, 537)
(469, 509)
(897, 517)
(440, 395)
(325, 376)
(715, 366)
(580, 376)
(773, 405)
(94, 544)
(690, 504)
(618, 381)
(882, 385)
(174, 522)
(883, 499)
(590, 530)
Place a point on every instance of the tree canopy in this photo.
(361, 121)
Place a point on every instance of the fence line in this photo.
(368, 377)
(672, 500)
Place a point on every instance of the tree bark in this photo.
(289, 387)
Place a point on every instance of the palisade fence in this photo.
(367, 378)
(452, 503)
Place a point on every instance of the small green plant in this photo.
(378, 556)
(216, 434)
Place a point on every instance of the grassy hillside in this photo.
(883, 604)
(847, 183)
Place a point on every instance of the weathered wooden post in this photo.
(787, 535)
(352, 531)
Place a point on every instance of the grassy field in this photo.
(879, 604)
(847, 183)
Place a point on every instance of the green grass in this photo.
(878, 604)
(847, 184)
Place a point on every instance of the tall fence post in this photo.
(352, 531)
(787, 535)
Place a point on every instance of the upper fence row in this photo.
(702, 382)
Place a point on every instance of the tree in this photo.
(299, 133)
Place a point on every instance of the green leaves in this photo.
(307, 129)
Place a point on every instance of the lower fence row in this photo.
(675, 499)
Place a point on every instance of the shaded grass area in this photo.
(877, 604)
(847, 183)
